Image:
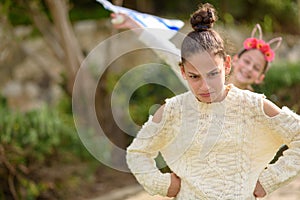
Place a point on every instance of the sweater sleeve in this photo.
(287, 126)
(145, 147)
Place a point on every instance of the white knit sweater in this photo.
(218, 150)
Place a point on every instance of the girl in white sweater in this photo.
(216, 138)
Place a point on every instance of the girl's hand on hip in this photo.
(175, 185)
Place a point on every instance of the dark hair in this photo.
(203, 38)
(266, 62)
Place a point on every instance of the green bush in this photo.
(282, 85)
(282, 75)
(30, 142)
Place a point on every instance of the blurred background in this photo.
(43, 43)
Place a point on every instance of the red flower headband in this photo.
(264, 47)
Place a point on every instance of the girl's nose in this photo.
(249, 67)
(204, 85)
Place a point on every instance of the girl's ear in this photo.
(182, 71)
(260, 79)
(227, 64)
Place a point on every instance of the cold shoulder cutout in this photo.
(270, 109)
(158, 115)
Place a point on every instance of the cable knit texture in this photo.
(218, 150)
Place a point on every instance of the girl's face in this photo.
(205, 74)
(248, 68)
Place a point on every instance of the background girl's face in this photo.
(248, 68)
(205, 74)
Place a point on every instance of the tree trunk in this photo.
(69, 43)
(145, 6)
(43, 24)
(104, 110)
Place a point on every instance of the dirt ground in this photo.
(113, 182)
(288, 192)
(106, 180)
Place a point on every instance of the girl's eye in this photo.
(246, 61)
(213, 74)
(193, 76)
(256, 68)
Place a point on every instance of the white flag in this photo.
(146, 20)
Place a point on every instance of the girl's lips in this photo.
(205, 95)
(245, 75)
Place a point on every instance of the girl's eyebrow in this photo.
(213, 70)
(193, 73)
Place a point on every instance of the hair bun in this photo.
(204, 18)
